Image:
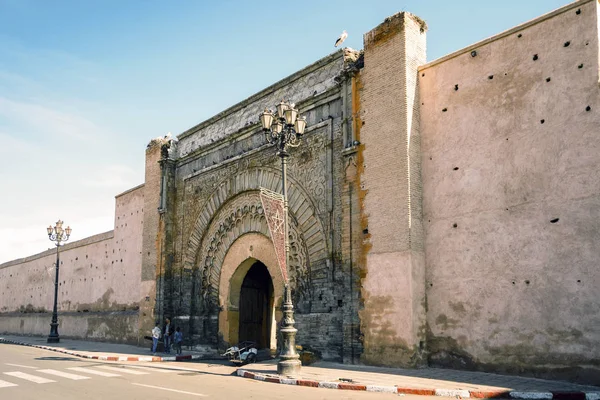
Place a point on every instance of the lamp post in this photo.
(285, 129)
(57, 235)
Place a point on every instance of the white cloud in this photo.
(50, 121)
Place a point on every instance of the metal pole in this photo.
(54, 337)
(289, 363)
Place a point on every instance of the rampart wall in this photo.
(510, 161)
(99, 280)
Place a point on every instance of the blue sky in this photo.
(85, 85)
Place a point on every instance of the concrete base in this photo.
(289, 367)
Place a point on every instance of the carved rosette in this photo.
(244, 214)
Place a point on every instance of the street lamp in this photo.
(57, 235)
(285, 129)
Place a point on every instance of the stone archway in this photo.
(242, 255)
(233, 210)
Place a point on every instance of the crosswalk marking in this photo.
(63, 374)
(7, 384)
(93, 371)
(126, 371)
(19, 365)
(153, 369)
(27, 377)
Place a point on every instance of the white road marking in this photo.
(63, 374)
(171, 390)
(123, 370)
(27, 377)
(7, 384)
(164, 371)
(18, 365)
(93, 371)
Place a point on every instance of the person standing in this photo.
(178, 339)
(155, 337)
(167, 335)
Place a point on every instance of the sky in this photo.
(85, 85)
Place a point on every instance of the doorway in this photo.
(256, 305)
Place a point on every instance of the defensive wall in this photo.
(511, 205)
(442, 213)
(99, 279)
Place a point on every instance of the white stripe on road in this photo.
(170, 390)
(27, 377)
(153, 369)
(93, 371)
(7, 384)
(18, 365)
(125, 371)
(63, 374)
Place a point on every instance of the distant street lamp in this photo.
(284, 129)
(57, 235)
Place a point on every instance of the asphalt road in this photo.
(30, 373)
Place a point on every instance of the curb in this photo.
(107, 358)
(478, 394)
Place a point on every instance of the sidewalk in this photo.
(427, 381)
(104, 351)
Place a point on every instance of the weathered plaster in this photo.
(512, 204)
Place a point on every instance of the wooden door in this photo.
(254, 306)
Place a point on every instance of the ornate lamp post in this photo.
(285, 129)
(57, 235)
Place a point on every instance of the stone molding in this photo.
(234, 209)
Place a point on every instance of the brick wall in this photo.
(393, 317)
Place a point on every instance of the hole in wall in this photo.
(588, 108)
(578, 280)
(555, 220)
(431, 285)
(535, 57)
(491, 77)
(527, 282)
(366, 231)
(423, 74)
(578, 11)
(444, 109)
(455, 168)
(580, 66)
(456, 87)
(542, 121)
(519, 35)
(455, 225)
(548, 79)
(474, 53)
(567, 44)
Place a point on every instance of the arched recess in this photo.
(242, 254)
(239, 216)
(234, 209)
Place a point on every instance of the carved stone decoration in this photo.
(301, 208)
(310, 170)
(240, 215)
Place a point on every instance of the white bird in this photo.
(341, 39)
